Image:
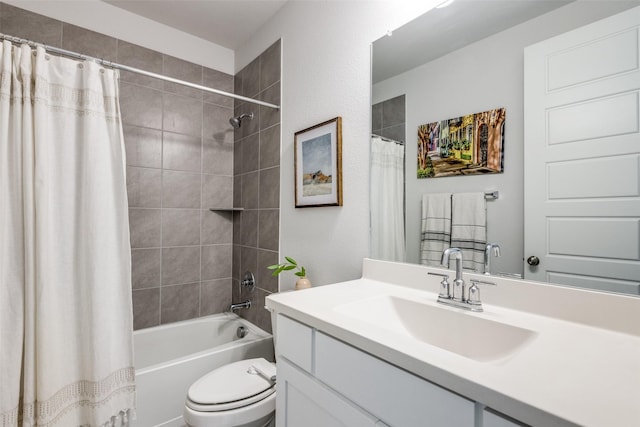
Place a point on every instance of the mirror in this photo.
(463, 59)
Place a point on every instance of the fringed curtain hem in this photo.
(87, 394)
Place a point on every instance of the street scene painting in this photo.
(466, 145)
(318, 164)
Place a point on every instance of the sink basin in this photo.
(466, 334)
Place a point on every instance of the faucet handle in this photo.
(474, 291)
(482, 282)
(444, 285)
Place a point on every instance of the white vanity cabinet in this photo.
(367, 343)
(325, 382)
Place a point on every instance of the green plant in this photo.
(286, 266)
(426, 173)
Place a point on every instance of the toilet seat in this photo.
(232, 386)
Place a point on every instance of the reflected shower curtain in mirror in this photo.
(66, 356)
(387, 200)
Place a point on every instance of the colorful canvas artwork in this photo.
(466, 145)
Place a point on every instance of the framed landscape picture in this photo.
(466, 145)
(318, 165)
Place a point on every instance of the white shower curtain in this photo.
(387, 200)
(65, 291)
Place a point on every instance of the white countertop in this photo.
(575, 371)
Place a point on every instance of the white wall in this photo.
(485, 75)
(326, 73)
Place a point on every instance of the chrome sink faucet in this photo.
(456, 296)
(487, 256)
(457, 293)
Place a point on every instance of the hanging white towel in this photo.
(469, 228)
(436, 227)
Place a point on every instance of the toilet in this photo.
(239, 394)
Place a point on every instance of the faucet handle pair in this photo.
(456, 296)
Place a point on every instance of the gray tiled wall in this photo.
(182, 159)
(257, 183)
(388, 118)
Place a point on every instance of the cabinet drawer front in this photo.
(302, 401)
(295, 341)
(397, 397)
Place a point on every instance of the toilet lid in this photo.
(231, 385)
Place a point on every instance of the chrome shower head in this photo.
(237, 121)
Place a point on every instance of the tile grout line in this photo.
(162, 112)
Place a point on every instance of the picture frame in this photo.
(318, 165)
(462, 146)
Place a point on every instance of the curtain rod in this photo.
(117, 66)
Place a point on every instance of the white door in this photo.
(582, 156)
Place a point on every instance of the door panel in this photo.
(613, 176)
(575, 64)
(582, 145)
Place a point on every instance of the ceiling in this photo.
(228, 23)
(443, 30)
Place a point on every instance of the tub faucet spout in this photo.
(238, 306)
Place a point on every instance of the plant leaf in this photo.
(292, 261)
(273, 267)
(289, 267)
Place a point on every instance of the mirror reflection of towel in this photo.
(436, 227)
(469, 228)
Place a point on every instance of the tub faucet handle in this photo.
(248, 281)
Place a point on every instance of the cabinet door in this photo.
(303, 401)
(295, 341)
(391, 394)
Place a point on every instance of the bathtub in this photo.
(169, 358)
